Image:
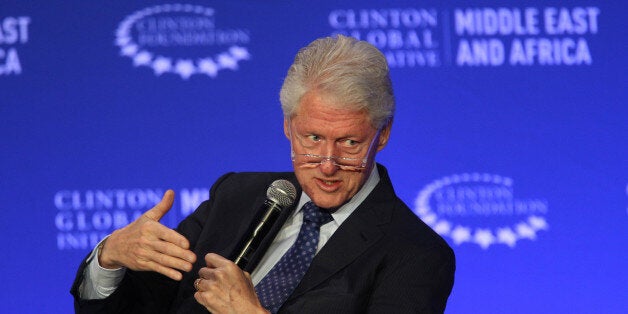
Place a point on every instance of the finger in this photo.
(216, 275)
(214, 260)
(203, 300)
(219, 269)
(155, 231)
(204, 285)
(175, 251)
(206, 273)
(166, 271)
(169, 261)
(169, 235)
(162, 207)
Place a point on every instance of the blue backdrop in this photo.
(509, 138)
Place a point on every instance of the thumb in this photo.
(162, 207)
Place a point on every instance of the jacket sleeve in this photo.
(142, 291)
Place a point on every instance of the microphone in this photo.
(279, 196)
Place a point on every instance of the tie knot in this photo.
(312, 213)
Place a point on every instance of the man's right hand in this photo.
(146, 244)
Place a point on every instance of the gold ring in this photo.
(196, 283)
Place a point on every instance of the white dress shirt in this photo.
(99, 282)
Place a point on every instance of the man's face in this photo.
(320, 129)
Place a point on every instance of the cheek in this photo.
(353, 183)
(300, 173)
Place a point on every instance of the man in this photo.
(374, 255)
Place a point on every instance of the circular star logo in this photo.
(480, 209)
(181, 39)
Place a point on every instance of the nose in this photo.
(328, 166)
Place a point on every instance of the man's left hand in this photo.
(222, 287)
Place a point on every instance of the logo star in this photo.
(208, 66)
(461, 234)
(227, 62)
(484, 238)
(525, 231)
(506, 236)
(442, 227)
(123, 40)
(239, 53)
(161, 65)
(142, 58)
(538, 223)
(429, 218)
(129, 50)
(422, 210)
(185, 68)
(122, 30)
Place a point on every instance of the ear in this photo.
(286, 127)
(384, 135)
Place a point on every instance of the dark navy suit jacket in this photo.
(382, 259)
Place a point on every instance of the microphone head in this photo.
(282, 192)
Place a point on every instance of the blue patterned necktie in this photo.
(284, 277)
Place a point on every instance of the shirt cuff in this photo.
(98, 282)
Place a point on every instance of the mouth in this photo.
(328, 185)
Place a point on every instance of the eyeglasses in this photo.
(343, 163)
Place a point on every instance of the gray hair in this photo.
(354, 73)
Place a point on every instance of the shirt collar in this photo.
(345, 210)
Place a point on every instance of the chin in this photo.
(327, 203)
